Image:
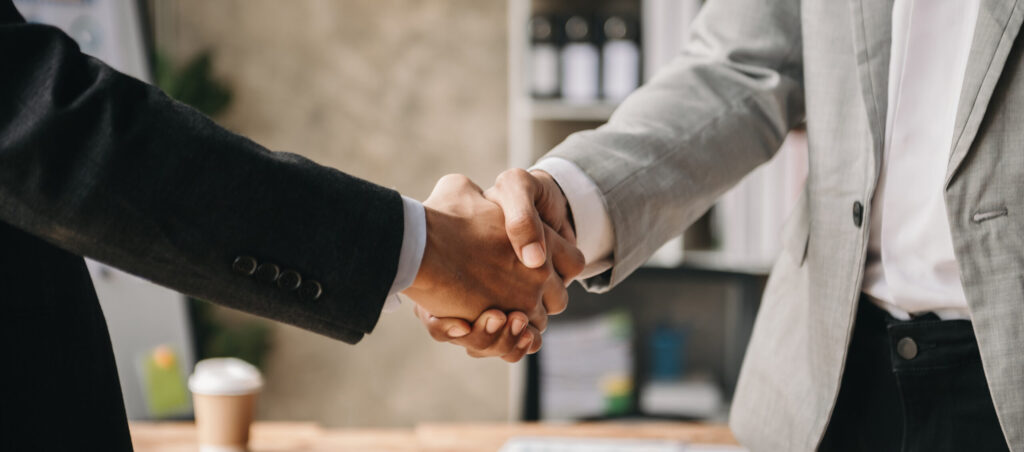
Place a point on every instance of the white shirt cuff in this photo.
(594, 234)
(414, 240)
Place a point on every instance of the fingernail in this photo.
(457, 331)
(524, 341)
(533, 255)
(517, 326)
(493, 325)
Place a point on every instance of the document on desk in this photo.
(559, 444)
(581, 364)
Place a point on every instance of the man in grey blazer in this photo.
(894, 318)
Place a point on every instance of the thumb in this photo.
(515, 191)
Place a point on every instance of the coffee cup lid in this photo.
(225, 376)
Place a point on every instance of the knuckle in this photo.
(537, 345)
(555, 307)
(578, 263)
(513, 175)
(521, 223)
(520, 175)
(560, 303)
(453, 179)
(518, 315)
(438, 335)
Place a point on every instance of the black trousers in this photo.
(910, 386)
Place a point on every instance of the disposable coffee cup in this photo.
(224, 394)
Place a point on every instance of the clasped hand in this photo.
(496, 263)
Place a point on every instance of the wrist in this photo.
(426, 275)
(555, 190)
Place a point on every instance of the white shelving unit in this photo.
(664, 25)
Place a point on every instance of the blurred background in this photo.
(402, 92)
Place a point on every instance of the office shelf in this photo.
(558, 110)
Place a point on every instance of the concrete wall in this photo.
(399, 92)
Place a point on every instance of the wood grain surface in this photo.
(455, 437)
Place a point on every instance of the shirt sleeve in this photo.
(414, 241)
(594, 234)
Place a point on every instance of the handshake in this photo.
(496, 263)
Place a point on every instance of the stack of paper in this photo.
(580, 358)
(693, 398)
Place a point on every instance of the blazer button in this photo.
(244, 265)
(267, 272)
(858, 213)
(310, 290)
(289, 280)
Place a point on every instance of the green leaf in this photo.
(194, 83)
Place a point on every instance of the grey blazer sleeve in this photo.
(105, 166)
(717, 111)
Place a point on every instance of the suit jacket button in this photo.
(244, 265)
(267, 272)
(858, 213)
(289, 280)
(310, 290)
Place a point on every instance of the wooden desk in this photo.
(289, 437)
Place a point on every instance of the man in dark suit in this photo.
(95, 163)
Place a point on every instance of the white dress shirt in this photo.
(414, 241)
(910, 267)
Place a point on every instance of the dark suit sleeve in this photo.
(105, 166)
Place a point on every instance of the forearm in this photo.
(105, 166)
(673, 147)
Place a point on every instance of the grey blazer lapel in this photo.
(998, 24)
(872, 35)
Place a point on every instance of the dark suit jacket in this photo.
(95, 163)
